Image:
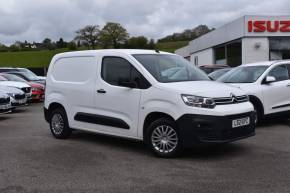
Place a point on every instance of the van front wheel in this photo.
(59, 124)
(163, 138)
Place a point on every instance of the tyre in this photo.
(59, 124)
(163, 139)
(258, 114)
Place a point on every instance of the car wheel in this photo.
(59, 124)
(163, 138)
(258, 114)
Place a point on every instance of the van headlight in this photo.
(197, 101)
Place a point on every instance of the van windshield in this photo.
(170, 68)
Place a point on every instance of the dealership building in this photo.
(244, 40)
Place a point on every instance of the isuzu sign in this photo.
(269, 26)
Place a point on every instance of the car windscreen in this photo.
(12, 77)
(218, 73)
(170, 68)
(26, 71)
(29, 76)
(2, 78)
(243, 74)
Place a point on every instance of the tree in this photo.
(61, 43)
(113, 34)
(89, 35)
(3, 48)
(72, 45)
(48, 44)
(151, 44)
(139, 42)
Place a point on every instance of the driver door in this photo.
(117, 104)
(277, 94)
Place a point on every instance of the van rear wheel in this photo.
(162, 137)
(59, 124)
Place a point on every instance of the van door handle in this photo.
(288, 85)
(102, 91)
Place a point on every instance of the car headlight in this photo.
(11, 94)
(197, 101)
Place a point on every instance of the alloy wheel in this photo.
(164, 139)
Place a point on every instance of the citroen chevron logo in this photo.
(234, 98)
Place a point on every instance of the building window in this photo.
(234, 54)
(229, 54)
(279, 48)
(220, 55)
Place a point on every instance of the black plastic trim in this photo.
(197, 129)
(281, 106)
(101, 120)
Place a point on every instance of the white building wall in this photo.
(204, 57)
(255, 49)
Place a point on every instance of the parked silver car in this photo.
(17, 96)
(5, 106)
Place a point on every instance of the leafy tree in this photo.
(48, 44)
(187, 35)
(3, 48)
(14, 48)
(72, 45)
(151, 44)
(61, 43)
(89, 35)
(139, 42)
(113, 34)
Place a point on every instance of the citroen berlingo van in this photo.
(153, 96)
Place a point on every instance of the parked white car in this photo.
(17, 96)
(266, 83)
(20, 85)
(5, 106)
(126, 93)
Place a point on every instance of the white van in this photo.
(153, 96)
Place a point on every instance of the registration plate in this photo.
(4, 107)
(241, 122)
(22, 101)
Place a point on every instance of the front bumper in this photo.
(18, 102)
(196, 129)
(5, 108)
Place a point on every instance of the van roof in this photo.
(124, 51)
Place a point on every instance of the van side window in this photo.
(116, 69)
(280, 73)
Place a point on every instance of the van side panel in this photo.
(69, 82)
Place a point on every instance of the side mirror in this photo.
(127, 84)
(269, 79)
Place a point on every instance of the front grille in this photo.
(19, 96)
(4, 100)
(231, 100)
(26, 89)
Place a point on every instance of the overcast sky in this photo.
(34, 20)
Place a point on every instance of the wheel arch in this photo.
(152, 117)
(258, 103)
(51, 107)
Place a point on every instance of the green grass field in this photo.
(29, 59)
(39, 59)
(171, 46)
